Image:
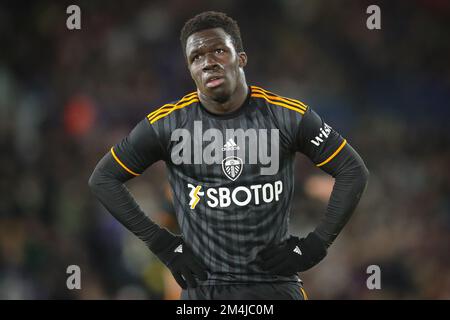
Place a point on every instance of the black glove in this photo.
(293, 255)
(180, 260)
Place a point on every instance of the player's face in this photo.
(214, 64)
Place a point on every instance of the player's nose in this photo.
(210, 63)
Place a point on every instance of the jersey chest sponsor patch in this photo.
(224, 197)
(230, 148)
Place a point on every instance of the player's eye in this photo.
(219, 51)
(195, 58)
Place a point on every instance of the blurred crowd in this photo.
(66, 96)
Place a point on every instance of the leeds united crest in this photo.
(232, 167)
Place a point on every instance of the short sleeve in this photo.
(317, 139)
(139, 150)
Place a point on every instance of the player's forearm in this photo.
(351, 176)
(107, 184)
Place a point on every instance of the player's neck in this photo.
(232, 104)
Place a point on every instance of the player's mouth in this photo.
(215, 81)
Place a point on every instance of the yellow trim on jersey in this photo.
(165, 108)
(170, 105)
(333, 155)
(274, 94)
(186, 97)
(255, 95)
(175, 107)
(120, 162)
(278, 97)
(168, 108)
(305, 296)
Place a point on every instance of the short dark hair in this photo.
(210, 20)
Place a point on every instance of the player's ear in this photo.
(242, 59)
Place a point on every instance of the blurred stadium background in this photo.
(67, 96)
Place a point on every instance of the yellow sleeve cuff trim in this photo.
(121, 164)
(305, 296)
(334, 154)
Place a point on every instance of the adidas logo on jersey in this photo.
(179, 249)
(252, 146)
(230, 146)
(297, 250)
